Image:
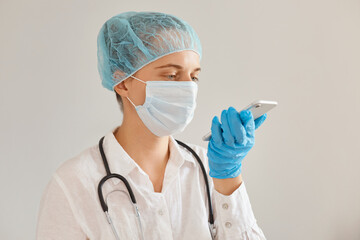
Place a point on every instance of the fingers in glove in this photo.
(236, 127)
(248, 122)
(216, 132)
(260, 120)
(227, 136)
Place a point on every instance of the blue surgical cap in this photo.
(130, 40)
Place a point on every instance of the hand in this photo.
(231, 141)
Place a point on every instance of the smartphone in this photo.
(257, 108)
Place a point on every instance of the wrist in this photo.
(227, 186)
(232, 171)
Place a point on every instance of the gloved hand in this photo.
(231, 141)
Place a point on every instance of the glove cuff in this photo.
(230, 174)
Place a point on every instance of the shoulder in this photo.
(72, 188)
(82, 161)
(80, 169)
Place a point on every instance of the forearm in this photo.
(228, 185)
(234, 218)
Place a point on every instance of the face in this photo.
(179, 66)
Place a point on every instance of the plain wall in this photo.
(302, 175)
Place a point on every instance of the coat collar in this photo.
(121, 163)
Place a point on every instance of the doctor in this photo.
(152, 63)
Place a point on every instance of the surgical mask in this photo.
(169, 106)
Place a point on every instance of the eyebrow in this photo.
(176, 66)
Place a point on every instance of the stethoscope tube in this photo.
(211, 217)
(108, 176)
(132, 196)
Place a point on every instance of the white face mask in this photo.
(169, 106)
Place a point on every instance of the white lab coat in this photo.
(70, 207)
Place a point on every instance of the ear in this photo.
(121, 88)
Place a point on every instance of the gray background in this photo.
(302, 174)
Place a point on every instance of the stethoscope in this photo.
(132, 196)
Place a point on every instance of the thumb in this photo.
(259, 121)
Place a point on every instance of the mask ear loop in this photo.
(131, 101)
(138, 80)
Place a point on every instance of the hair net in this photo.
(130, 40)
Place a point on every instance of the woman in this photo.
(152, 62)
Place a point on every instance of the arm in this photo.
(229, 144)
(234, 218)
(56, 219)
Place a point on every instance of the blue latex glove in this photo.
(231, 141)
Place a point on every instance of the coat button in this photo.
(225, 206)
(161, 212)
(228, 224)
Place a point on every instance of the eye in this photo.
(171, 76)
(195, 79)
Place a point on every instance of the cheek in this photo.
(138, 95)
(142, 95)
